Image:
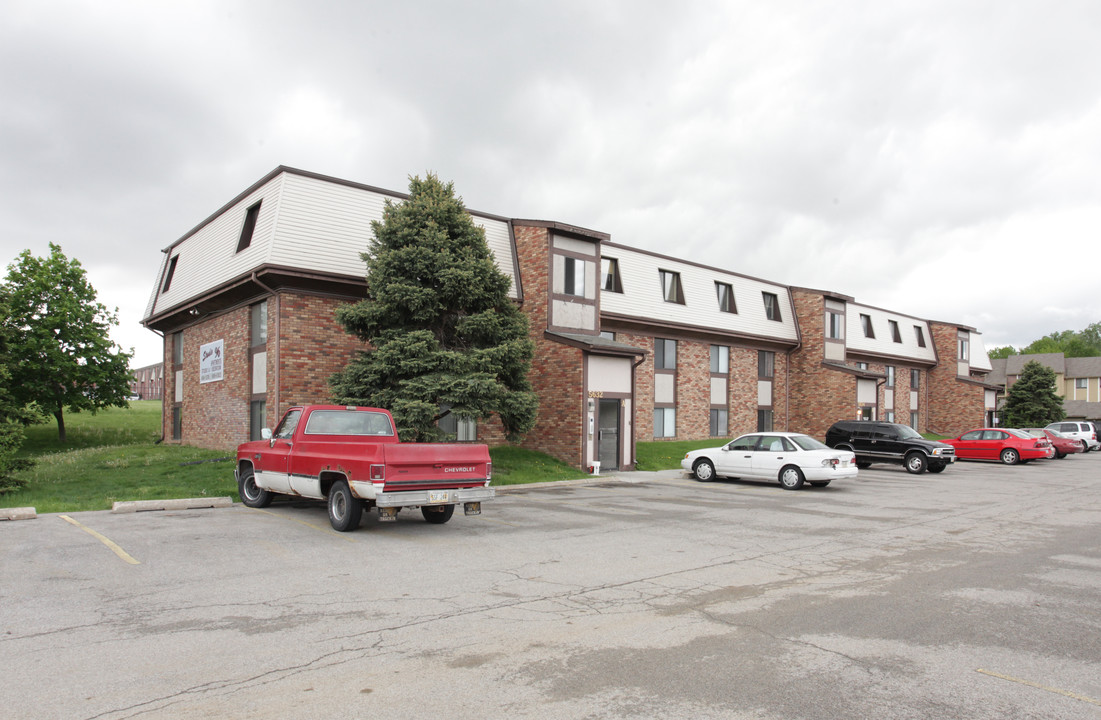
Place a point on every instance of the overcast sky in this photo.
(938, 159)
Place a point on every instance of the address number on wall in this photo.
(596, 393)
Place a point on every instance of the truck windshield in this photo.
(348, 422)
(908, 433)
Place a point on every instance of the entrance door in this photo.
(607, 442)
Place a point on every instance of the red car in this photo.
(1008, 446)
(1063, 445)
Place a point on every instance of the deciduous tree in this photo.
(443, 334)
(60, 335)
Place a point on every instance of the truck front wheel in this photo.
(345, 509)
(437, 514)
(251, 495)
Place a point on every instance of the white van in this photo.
(1086, 432)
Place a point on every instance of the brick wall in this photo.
(557, 370)
(820, 396)
(311, 347)
(956, 404)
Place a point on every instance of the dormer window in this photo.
(609, 271)
(169, 273)
(725, 294)
(772, 306)
(866, 324)
(249, 227)
(919, 335)
(670, 287)
(895, 334)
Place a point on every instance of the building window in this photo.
(772, 306)
(889, 415)
(862, 366)
(665, 422)
(609, 270)
(719, 423)
(962, 349)
(258, 323)
(456, 428)
(607, 334)
(257, 412)
(725, 292)
(764, 420)
(890, 376)
(913, 419)
(1081, 383)
(670, 287)
(920, 336)
(866, 324)
(665, 354)
(177, 349)
(169, 273)
(720, 360)
(915, 379)
(247, 229)
(835, 325)
(895, 334)
(574, 277)
(177, 422)
(766, 364)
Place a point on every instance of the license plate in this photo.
(437, 496)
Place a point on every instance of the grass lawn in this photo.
(113, 456)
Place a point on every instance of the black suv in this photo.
(874, 441)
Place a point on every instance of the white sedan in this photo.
(791, 458)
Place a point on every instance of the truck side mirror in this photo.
(266, 433)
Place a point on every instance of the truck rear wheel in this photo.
(437, 514)
(251, 495)
(345, 510)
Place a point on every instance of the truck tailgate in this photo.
(413, 466)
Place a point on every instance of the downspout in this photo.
(278, 348)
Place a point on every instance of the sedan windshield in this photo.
(808, 443)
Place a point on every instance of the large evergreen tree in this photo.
(444, 335)
(1032, 400)
(59, 333)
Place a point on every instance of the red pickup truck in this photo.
(352, 457)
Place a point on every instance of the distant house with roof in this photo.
(1077, 380)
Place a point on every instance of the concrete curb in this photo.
(134, 506)
(23, 513)
(627, 478)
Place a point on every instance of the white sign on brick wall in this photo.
(211, 361)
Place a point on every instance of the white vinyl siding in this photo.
(642, 297)
(307, 223)
(884, 343)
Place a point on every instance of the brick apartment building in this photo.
(630, 345)
(147, 383)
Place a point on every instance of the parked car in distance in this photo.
(1082, 431)
(790, 458)
(1062, 445)
(1006, 445)
(873, 441)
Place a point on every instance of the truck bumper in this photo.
(412, 498)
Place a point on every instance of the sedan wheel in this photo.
(704, 471)
(1010, 456)
(791, 478)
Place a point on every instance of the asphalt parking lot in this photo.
(975, 593)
